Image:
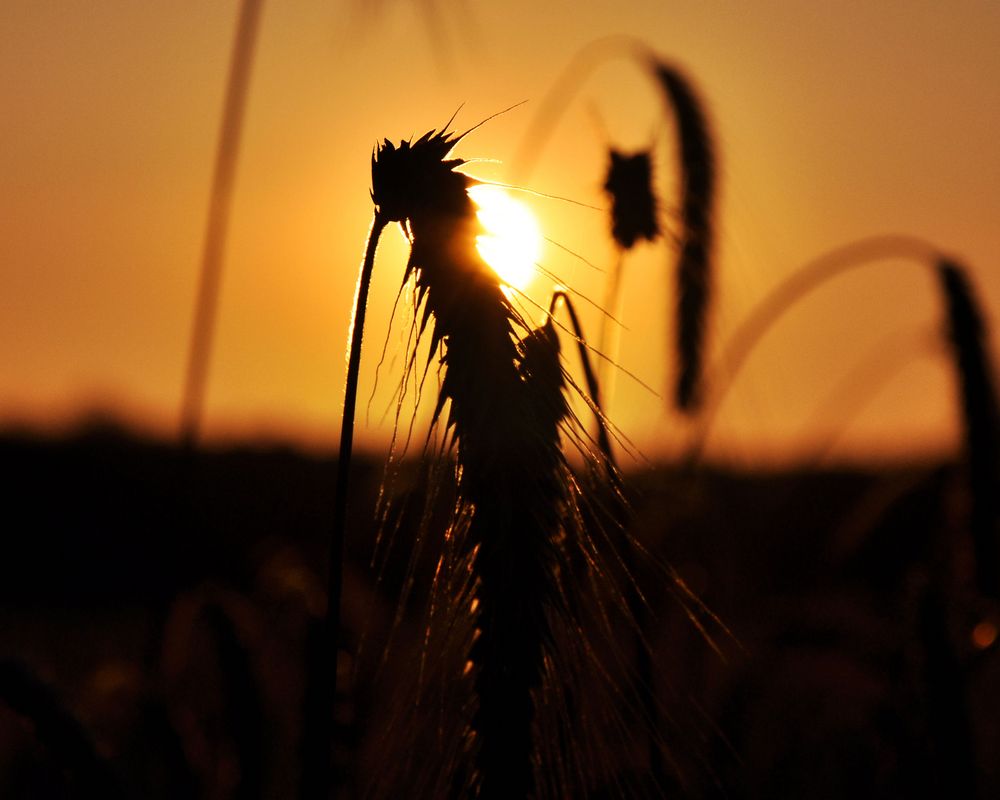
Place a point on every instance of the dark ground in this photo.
(165, 602)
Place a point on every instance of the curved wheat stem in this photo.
(767, 312)
(974, 376)
(321, 679)
(980, 418)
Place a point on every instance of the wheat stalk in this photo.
(980, 419)
(223, 180)
(321, 667)
(800, 283)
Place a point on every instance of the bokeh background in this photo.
(832, 123)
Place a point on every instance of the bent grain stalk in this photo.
(806, 279)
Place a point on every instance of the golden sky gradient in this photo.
(833, 123)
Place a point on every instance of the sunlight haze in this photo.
(832, 123)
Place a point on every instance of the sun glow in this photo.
(512, 243)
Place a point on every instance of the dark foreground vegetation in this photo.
(158, 608)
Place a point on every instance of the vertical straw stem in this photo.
(945, 688)
(220, 202)
(980, 417)
(321, 680)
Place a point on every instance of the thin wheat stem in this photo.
(321, 682)
(552, 106)
(945, 688)
(980, 418)
(203, 328)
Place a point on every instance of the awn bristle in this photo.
(696, 236)
(980, 419)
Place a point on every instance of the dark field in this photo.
(167, 601)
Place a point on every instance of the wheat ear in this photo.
(696, 238)
(629, 184)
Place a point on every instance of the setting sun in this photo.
(513, 241)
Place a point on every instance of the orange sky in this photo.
(832, 124)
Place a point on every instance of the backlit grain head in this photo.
(414, 175)
(633, 204)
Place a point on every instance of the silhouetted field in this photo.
(168, 599)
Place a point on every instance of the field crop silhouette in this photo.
(495, 607)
